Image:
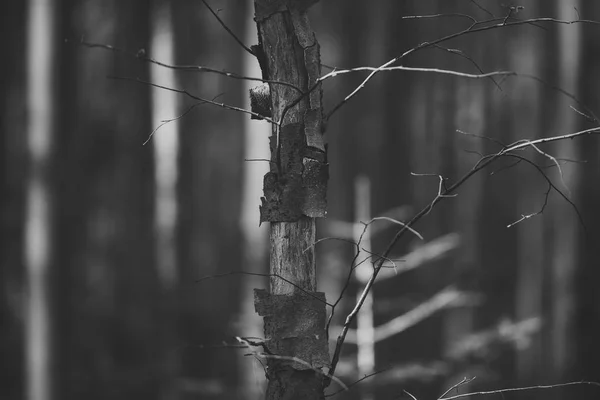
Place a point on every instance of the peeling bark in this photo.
(294, 195)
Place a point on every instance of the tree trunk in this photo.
(42, 65)
(295, 339)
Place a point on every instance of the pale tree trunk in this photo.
(295, 339)
(525, 51)
(165, 106)
(41, 107)
(470, 117)
(254, 237)
(565, 225)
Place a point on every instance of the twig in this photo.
(519, 389)
(227, 29)
(141, 55)
(394, 221)
(470, 59)
(482, 8)
(265, 276)
(183, 91)
(166, 121)
(467, 31)
(464, 381)
(358, 381)
(440, 16)
(300, 361)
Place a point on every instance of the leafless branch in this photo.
(305, 363)
(141, 55)
(519, 389)
(190, 95)
(481, 164)
(482, 8)
(470, 30)
(482, 137)
(470, 59)
(441, 16)
(166, 121)
(215, 276)
(358, 381)
(394, 221)
(504, 74)
(227, 29)
(464, 381)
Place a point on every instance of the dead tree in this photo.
(295, 344)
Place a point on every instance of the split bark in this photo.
(296, 347)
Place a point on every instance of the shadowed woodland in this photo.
(130, 242)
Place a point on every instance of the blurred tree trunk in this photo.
(587, 307)
(471, 99)
(255, 239)
(565, 226)
(295, 339)
(432, 115)
(42, 65)
(209, 191)
(105, 247)
(526, 50)
(13, 182)
(165, 106)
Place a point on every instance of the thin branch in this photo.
(467, 31)
(482, 8)
(519, 389)
(227, 29)
(394, 221)
(215, 276)
(464, 381)
(504, 74)
(482, 137)
(440, 16)
(482, 163)
(470, 59)
(141, 55)
(550, 187)
(419, 69)
(358, 381)
(166, 121)
(305, 363)
(183, 91)
(353, 266)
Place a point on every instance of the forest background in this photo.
(104, 233)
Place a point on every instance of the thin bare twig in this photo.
(482, 8)
(441, 16)
(183, 91)
(467, 31)
(215, 276)
(464, 381)
(394, 221)
(141, 55)
(227, 29)
(306, 363)
(519, 389)
(470, 59)
(358, 381)
(166, 121)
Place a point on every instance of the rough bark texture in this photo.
(296, 342)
